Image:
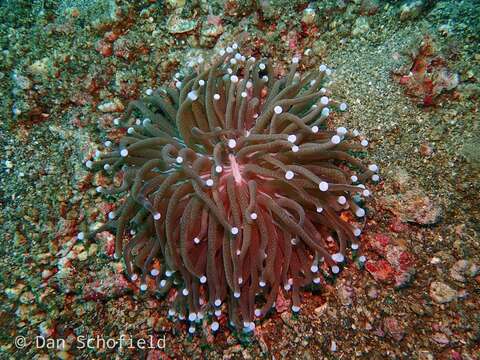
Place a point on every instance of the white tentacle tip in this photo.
(335, 139)
(192, 95)
(215, 326)
(323, 186)
(154, 272)
(338, 257)
(360, 212)
(289, 175)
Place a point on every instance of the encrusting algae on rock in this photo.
(234, 190)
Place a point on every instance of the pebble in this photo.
(440, 338)
(416, 207)
(287, 319)
(393, 328)
(212, 28)
(178, 25)
(321, 309)
(361, 26)
(308, 16)
(22, 82)
(246, 354)
(111, 106)
(333, 346)
(369, 7)
(13, 293)
(441, 293)
(83, 256)
(463, 268)
(228, 353)
(345, 294)
(372, 292)
(411, 10)
(176, 3)
(46, 274)
(424, 355)
(39, 67)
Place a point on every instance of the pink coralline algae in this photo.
(394, 263)
(234, 190)
(428, 77)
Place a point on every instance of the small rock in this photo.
(176, 3)
(361, 26)
(369, 7)
(333, 346)
(411, 10)
(404, 278)
(308, 16)
(83, 256)
(440, 338)
(442, 293)
(345, 294)
(111, 106)
(22, 82)
(414, 206)
(425, 149)
(462, 268)
(321, 309)
(39, 67)
(228, 353)
(27, 298)
(393, 328)
(14, 293)
(178, 25)
(212, 28)
(425, 355)
(104, 48)
(246, 354)
(380, 270)
(46, 274)
(372, 292)
(287, 319)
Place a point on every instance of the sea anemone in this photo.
(233, 188)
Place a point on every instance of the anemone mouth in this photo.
(234, 189)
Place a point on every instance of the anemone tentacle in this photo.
(235, 188)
